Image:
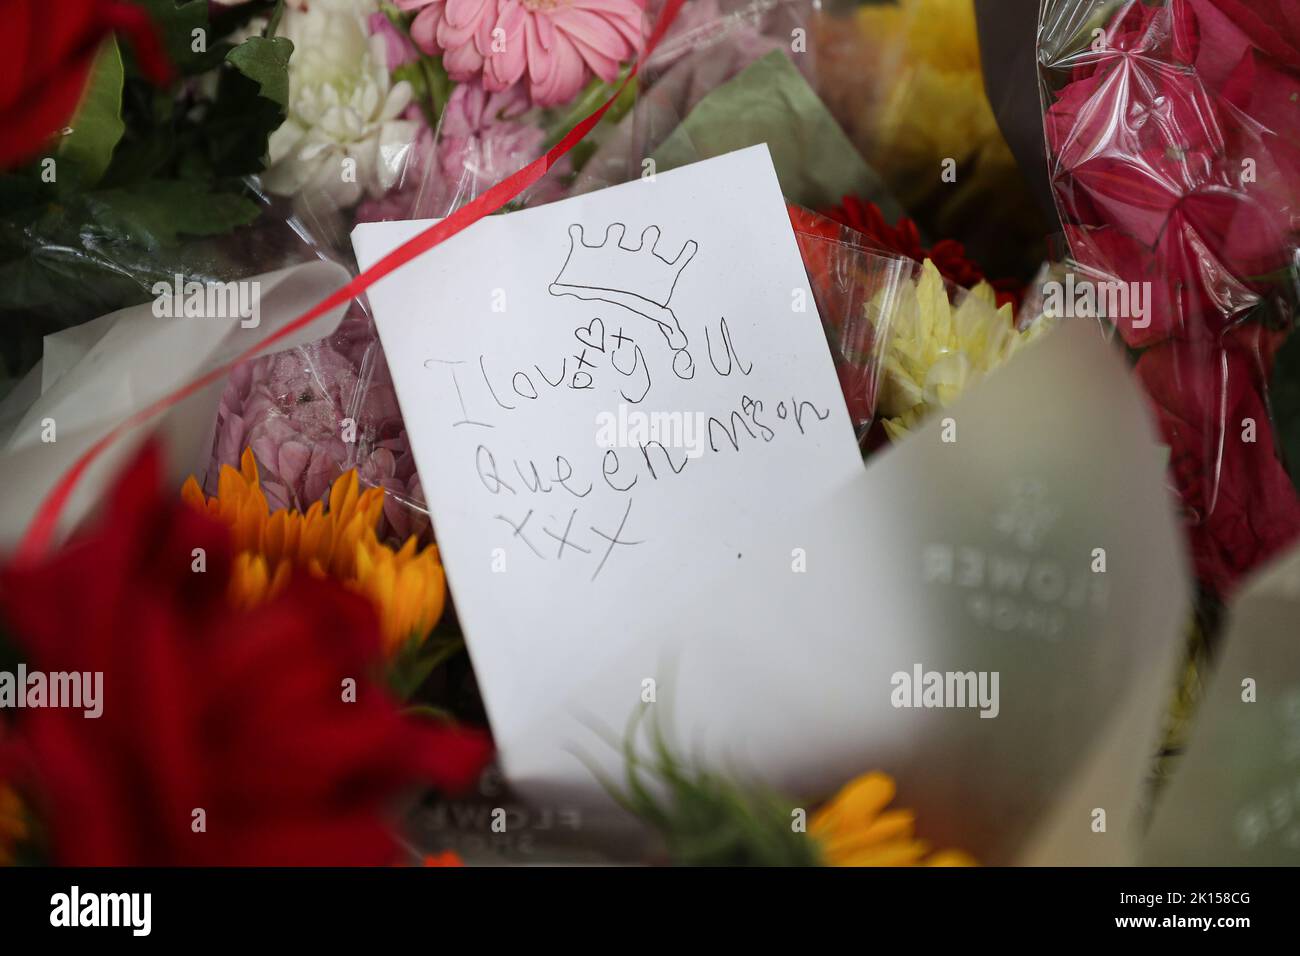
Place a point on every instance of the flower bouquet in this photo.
(254, 259)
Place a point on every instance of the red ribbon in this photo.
(40, 533)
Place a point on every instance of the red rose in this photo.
(1240, 504)
(1228, 29)
(1268, 98)
(1141, 31)
(240, 714)
(46, 52)
(1195, 292)
(1166, 178)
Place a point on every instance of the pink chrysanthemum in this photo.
(558, 44)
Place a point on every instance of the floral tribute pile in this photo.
(310, 689)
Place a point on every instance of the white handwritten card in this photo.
(612, 400)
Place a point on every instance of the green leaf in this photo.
(265, 62)
(97, 125)
(231, 139)
(19, 191)
(177, 23)
(703, 818)
(62, 263)
(157, 213)
(413, 73)
(1284, 396)
(430, 86)
(416, 660)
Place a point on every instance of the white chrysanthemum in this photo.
(344, 136)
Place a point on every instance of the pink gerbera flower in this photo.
(558, 44)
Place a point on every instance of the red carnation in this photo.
(240, 714)
(904, 239)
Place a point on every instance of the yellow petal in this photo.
(248, 467)
(897, 853)
(858, 802)
(192, 494)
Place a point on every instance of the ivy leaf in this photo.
(1284, 396)
(250, 105)
(97, 125)
(156, 213)
(265, 62)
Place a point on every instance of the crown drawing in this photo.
(636, 278)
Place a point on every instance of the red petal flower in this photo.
(45, 59)
(1168, 176)
(241, 714)
(1240, 504)
(1229, 28)
(904, 239)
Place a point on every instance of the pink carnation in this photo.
(481, 140)
(559, 43)
(290, 408)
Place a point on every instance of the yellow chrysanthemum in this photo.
(939, 33)
(934, 106)
(13, 824)
(855, 829)
(935, 351)
(407, 586)
(905, 80)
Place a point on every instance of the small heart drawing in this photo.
(587, 334)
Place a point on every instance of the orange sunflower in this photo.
(338, 540)
(855, 829)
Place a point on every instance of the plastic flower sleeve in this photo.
(104, 372)
(846, 277)
(1008, 31)
(907, 342)
(1174, 159)
(709, 46)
